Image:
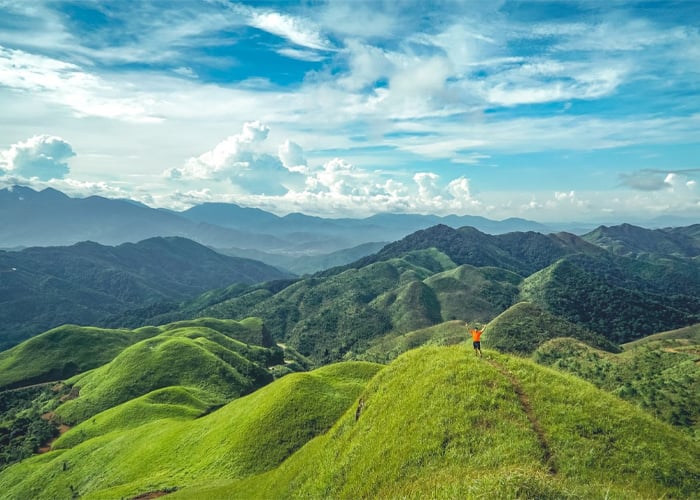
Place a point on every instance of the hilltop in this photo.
(436, 422)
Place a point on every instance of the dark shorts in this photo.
(477, 345)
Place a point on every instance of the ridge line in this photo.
(548, 459)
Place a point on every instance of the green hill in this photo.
(68, 350)
(250, 435)
(437, 423)
(524, 327)
(622, 299)
(61, 353)
(191, 356)
(659, 373)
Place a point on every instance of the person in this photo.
(476, 339)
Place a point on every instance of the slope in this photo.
(620, 298)
(250, 435)
(659, 373)
(524, 327)
(438, 423)
(630, 240)
(191, 356)
(83, 283)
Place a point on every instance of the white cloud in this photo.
(69, 85)
(42, 156)
(297, 30)
(292, 156)
(240, 159)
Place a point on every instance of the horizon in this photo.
(582, 226)
(546, 111)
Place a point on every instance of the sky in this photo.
(550, 111)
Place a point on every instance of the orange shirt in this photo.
(476, 335)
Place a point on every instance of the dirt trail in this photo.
(548, 459)
(62, 429)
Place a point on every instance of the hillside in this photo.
(442, 274)
(185, 368)
(437, 422)
(621, 298)
(630, 240)
(524, 327)
(42, 288)
(659, 373)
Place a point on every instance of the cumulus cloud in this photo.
(42, 156)
(292, 156)
(241, 160)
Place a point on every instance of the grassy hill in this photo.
(659, 373)
(437, 422)
(181, 355)
(68, 350)
(250, 435)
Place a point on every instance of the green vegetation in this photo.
(87, 283)
(61, 353)
(249, 435)
(389, 347)
(22, 428)
(659, 374)
(440, 423)
(192, 356)
(619, 298)
(524, 327)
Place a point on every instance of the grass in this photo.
(659, 374)
(249, 435)
(440, 423)
(61, 353)
(191, 356)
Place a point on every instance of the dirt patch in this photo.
(548, 459)
(62, 429)
(154, 494)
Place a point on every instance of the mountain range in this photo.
(50, 218)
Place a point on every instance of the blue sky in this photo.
(552, 111)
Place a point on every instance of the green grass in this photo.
(61, 353)
(249, 435)
(440, 423)
(659, 374)
(191, 356)
(389, 347)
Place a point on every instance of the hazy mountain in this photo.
(45, 287)
(631, 240)
(48, 218)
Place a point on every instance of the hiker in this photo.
(476, 340)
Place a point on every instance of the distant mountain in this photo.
(630, 240)
(41, 288)
(49, 217)
(307, 264)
